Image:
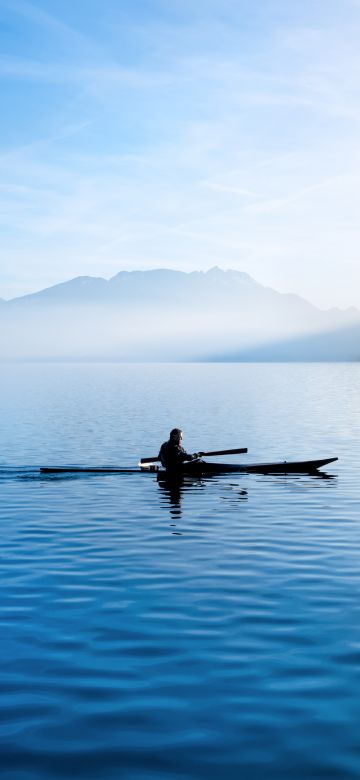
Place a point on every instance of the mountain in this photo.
(172, 315)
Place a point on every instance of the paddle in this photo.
(213, 452)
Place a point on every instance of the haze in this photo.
(170, 315)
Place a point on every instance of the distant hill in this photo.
(172, 315)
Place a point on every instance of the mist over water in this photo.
(201, 632)
(163, 315)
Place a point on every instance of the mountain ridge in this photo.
(135, 274)
(169, 314)
(215, 274)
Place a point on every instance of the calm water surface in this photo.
(209, 632)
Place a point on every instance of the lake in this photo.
(207, 632)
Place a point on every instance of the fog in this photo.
(154, 333)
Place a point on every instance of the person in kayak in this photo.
(172, 454)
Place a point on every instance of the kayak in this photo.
(91, 470)
(282, 467)
(199, 468)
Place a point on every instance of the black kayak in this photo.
(200, 467)
(282, 467)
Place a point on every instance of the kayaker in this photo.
(172, 453)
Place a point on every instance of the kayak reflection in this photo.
(174, 487)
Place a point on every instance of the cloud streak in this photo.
(36, 16)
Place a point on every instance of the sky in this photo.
(181, 134)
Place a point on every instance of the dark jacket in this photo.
(172, 456)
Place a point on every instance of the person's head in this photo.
(176, 435)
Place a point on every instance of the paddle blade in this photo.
(225, 452)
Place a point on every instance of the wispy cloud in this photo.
(35, 15)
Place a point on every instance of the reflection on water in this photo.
(207, 629)
(173, 489)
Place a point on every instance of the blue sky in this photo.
(181, 135)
